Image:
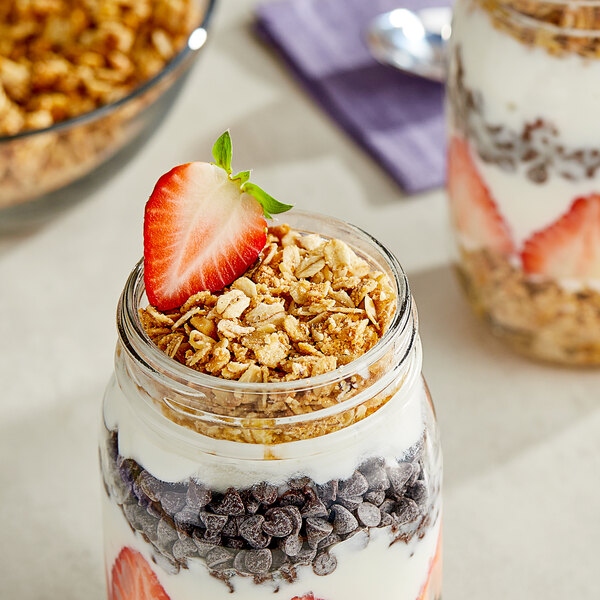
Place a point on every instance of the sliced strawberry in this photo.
(133, 578)
(201, 232)
(569, 247)
(475, 214)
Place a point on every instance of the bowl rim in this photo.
(105, 109)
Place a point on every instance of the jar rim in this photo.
(141, 348)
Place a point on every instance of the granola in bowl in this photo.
(75, 80)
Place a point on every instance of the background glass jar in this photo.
(523, 171)
(206, 494)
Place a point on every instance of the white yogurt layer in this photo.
(375, 570)
(182, 453)
(523, 83)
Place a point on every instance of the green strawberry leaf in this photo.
(222, 152)
(269, 204)
(242, 176)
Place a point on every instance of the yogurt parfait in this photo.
(267, 430)
(524, 171)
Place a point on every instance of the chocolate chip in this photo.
(343, 521)
(278, 522)
(134, 514)
(399, 475)
(172, 502)
(264, 493)
(235, 543)
(292, 498)
(212, 537)
(239, 562)
(250, 529)
(230, 528)
(296, 517)
(198, 496)
(166, 563)
(219, 558)
(154, 510)
(258, 561)
(305, 556)
(332, 538)
(418, 492)
(406, 511)
(538, 173)
(166, 536)
(203, 546)
(149, 486)
(313, 507)
(291, 545)
(351, 503)
(387, 506)
(279, 559)
(376, 476)
(251, 504)
(328, 491)
(317, 530)
(184, 548)
(188, 517)
(324, 564)
(212, 522)
(386, 520)
(368, 514)
(297, 483)
(128, 471)
(356, 485)
(375, 497)
(231, 504)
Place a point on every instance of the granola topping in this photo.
(308, 306)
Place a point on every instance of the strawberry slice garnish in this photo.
(569, 247)
(133, 578)
(475, 214)
(203, 228)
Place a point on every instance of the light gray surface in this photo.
(521, 440)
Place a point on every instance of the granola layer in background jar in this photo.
(271, 445)
(524, 171)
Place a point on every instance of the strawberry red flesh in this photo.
(570, 247)
(475, 214)
(201, 232)
(134, 579)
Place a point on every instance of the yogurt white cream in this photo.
(399, 571)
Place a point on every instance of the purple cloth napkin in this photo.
(396, 117)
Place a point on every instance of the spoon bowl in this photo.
(413, 41)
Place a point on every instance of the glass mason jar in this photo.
(340, 503)
(523, 171)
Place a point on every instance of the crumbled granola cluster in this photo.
(538, 318)
(308, 306)
(551, 22)
(62, 58)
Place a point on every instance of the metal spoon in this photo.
(415, 42)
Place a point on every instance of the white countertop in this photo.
(521, 440)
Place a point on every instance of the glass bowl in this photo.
(45, 170)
